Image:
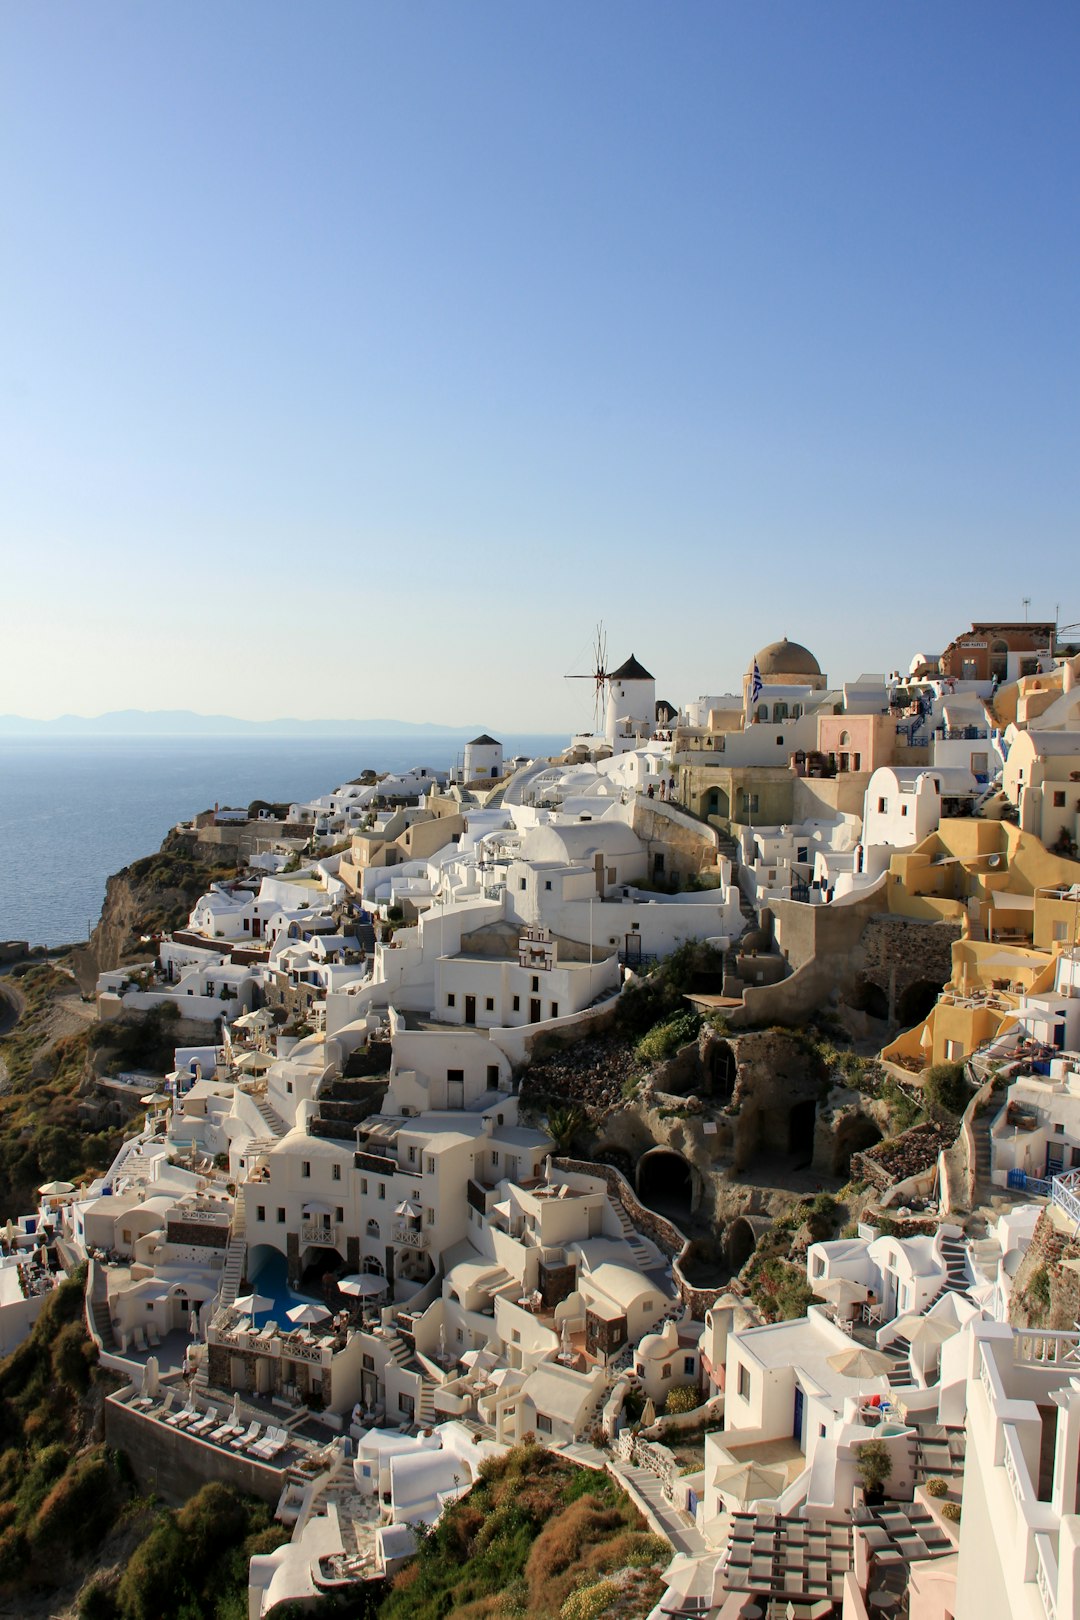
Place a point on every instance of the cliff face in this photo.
(150, 896)
(1046, 1291)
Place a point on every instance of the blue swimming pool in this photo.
(270, 1279)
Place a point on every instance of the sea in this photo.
(74, 809)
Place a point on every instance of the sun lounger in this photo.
(138, 1339)
(225, 1432)
(243, 1441)
(273, 1441)
(153, 1337)
(183, 1417)
(207, 1421)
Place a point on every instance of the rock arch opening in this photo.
(741, 1243)
(917, 1002)
(853, 1135)
(665, 1183)
(868, 997)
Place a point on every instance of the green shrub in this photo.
(589, 1601)
(96, 1602)
(1039, 1289)
(951, 1511)
(946, 1089)
(682, 1398)
(873, 1463)
(665, 1039)
(13, 1554)
(936, 1487)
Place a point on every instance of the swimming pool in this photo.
(271, 1280)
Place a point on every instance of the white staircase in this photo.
(273, 1120)
(236, 1253)
(645, 1254)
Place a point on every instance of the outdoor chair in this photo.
(207, 1421)
(243, 1441)
(138, 1339)
(185, 1415)
(226, 1432)
(153, 1337)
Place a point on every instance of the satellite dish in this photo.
(994, 861)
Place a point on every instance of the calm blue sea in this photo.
(73, 810)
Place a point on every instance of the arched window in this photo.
(763, 711)
(796, 711)
(780, 711)
(845, 739)
(373, 1228)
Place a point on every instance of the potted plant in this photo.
(874, 1464)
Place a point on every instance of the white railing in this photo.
(1047, 1347)
(319, 1234)
(1014, 1462)
(294, 1350)
(1063, 1193)
(410, 1237)
(1046, 1574)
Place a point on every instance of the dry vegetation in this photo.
(536, 1537)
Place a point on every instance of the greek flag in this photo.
(755, 684)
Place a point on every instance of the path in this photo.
(647, 1491)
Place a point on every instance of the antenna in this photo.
(599, 675)
(1027, 604)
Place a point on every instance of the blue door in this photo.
(797, 1426)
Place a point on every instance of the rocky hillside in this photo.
(151, 895)
(537, 1538)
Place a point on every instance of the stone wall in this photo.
(838, 951)
(173, 1465)
(1049, 1248)
(198, 1234)
(687, 845)
(664, 1233)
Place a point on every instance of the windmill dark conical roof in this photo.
(484, 741)
(630, 671)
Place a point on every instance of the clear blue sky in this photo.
(358, 357)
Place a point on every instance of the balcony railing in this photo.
(296, 1350)
(411, 1237)
(319, 1234)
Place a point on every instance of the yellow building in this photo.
(1019, 906)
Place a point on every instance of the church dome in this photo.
(785, 658)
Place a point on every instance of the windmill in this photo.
(599, 677)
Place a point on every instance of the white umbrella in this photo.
(925, 1330)
(306, 1315)
(841, 1291)
(253, 1060)
(362, 1285)
(748, 1482)
(150, 1376)
(648, 1414)
(249, 1304)
(234, 1415)
(56, 1189)
(859, 1362)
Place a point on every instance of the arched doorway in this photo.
(717, 803)
(741, 1243)
(802, 1117)
(853, 1135)
(665, 1183)
(721, 1071)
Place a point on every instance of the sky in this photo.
(358, 358)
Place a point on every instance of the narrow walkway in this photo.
(648, 1492)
